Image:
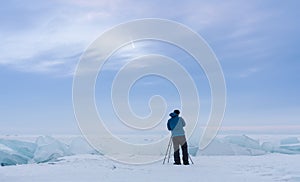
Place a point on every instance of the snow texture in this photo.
(87, 167)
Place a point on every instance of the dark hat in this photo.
(176, 111)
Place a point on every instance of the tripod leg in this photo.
(167, 151)
(170, 150)
(191, 159)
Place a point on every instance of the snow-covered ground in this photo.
(87, 167)
(229, 158)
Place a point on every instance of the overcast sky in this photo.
(256, 42)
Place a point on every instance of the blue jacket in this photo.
(175, 125)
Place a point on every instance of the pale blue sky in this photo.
(256, 42)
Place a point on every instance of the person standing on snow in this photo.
(175, 125)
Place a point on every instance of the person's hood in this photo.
(173, 114)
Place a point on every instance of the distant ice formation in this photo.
(244, 145)
(46, 148)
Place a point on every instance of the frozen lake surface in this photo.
(229, 158)
(87, 167)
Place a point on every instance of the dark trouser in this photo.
(180, 141)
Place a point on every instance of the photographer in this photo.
(175, 125)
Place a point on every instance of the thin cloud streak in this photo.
(79, 26)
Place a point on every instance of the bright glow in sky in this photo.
(256, 42)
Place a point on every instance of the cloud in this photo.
(46, 62)
(249, 72)
(66, 28)
(48, 46)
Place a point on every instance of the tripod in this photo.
(168, 153)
